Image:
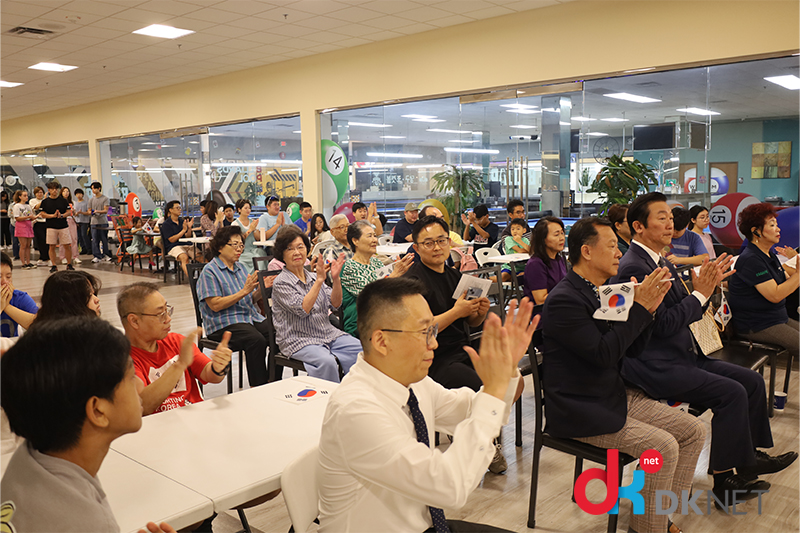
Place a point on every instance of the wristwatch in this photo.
(224, 370)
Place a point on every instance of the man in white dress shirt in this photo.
(378, 470)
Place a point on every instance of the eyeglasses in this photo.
(162, 316)
(431, 332)
(235, 245)
(301, 248)
(341, 227)
(430, 245)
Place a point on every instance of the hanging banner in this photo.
(334, 165)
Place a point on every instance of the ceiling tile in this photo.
(424, 14)
(355, 30)
(415, 28)
(389, 23)
(489, 12)
(316, 7)
(355, 14)
(145, 18)
(451, 21)
(285, 14)
(25, 9)
(171, 8)
(391, 7)
(103, 9)
(216, 16)
(322, 23)
(525, 5)
(326, 37)
(246, 7)
(291, 30)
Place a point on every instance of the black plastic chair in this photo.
(580, 450)
(525, 369)
(262, 262)
(204, 343)
(169, 259)
(275, 360)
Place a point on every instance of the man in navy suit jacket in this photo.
(672, 367)
(585, 396)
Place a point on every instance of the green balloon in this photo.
(293, 211)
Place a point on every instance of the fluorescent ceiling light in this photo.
(674, 158)
(550, 110)
(423, 166)
(522, 127)
(697, 111)
(369, 125)
(632, 98)
(429, 120)
(564, 124)
(638, 70)
(596, 134)
(283, 161)
(790, 82)
(463, 142)
(519, 106)
(583, 119)
(436, 130)
(334, 133)
(52, 67)
(419, 116)
(614, 119)
(524, 111)
(296, 131)
(9, 84)
(471, 150)
(31, 155)
(392, 137)
(165, 32)
(384, 154)
(194, 142)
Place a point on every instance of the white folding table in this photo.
(232, 449)
(138, 494)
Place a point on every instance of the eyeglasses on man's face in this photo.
(162, 316)
(431, 332)
(430, 244)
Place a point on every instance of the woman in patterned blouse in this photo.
(363, 269)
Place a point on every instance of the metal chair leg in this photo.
(245, 524)
(518, 440)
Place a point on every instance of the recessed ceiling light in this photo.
(52, 67)
(165, 32)
(522, 127)
(632, 98)
(614, 119)
(437, 130)
(9, 84)
(523, 111)
(564, 124)
(385, 154)
(296, 131)
(519, 106)
(471, 150)
(429, 120)
(596, 134)
(419, 116)
(392, 137)
(697, 111)
(369, 125)
(583, 119)
(791, 81)
(31, 155)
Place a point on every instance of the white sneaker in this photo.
(95, 260)
(77, 261)
(107, 259)
(64, 261)
(42, 263)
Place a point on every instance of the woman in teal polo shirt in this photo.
(760, 285)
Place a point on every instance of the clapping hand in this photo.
(336, 266)
(494, 363)
(372, 212)
(786, 251)
(251, 283)
(402, 266)
(186, 356)
(520, 328)
(711, 274)
(320, 267)
(6, 292)
(221, 356)
(651, 291)
(253, 225)
(464, 219)
(280, 221)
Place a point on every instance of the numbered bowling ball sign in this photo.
(134, 205)
(724, 216)
(334, 166)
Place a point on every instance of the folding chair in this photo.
(275, 359)
(299, 484)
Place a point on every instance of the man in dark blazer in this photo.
(585, 396)
(671, 367)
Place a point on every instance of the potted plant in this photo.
(460, 188)
(619, 181)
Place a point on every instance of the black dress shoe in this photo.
(766, 464)
(744, 490)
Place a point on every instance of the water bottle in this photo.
(208, 233)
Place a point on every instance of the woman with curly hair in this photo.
(760, 285)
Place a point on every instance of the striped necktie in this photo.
(437, 515)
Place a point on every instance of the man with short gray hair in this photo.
(339, 224)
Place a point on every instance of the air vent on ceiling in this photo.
(30, 33)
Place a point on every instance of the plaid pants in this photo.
(678, 436)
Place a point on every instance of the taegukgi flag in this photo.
(615, 302)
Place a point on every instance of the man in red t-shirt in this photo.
(167, 365)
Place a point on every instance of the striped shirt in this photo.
(219, 280)
(294, 327)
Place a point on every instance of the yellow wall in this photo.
(567, 41)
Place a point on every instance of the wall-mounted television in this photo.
(654, 137)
